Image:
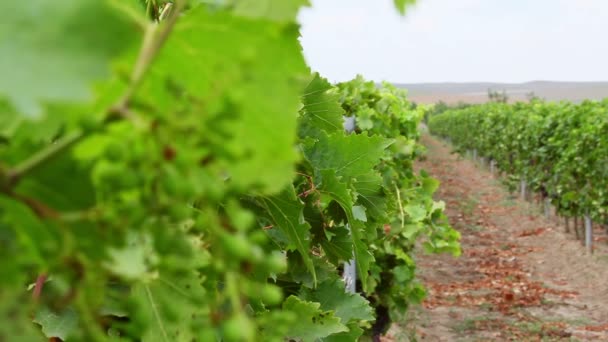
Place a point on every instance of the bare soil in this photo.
(520, 276)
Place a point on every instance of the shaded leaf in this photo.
(57, 325)
(340, 247)
(350, 307)
(168, 305)
(286, 213)
(312, 321)
(321, 111)
(279, 10)
(331, 185)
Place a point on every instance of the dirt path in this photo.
(520, 277)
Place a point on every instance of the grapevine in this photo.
(172, 171)
(558, 149)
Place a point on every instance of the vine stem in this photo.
(153, 42)
(38, 286)
(41, 157)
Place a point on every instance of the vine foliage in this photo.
(172, 171)
(559, 149)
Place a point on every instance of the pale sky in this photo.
(458, 40)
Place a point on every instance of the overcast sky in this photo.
(458, 40)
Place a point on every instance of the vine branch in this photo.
(41, 158)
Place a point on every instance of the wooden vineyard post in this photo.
(522, 186)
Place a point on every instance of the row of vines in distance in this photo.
(559, 150)
(172, 171)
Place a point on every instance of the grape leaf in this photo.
(286, 213)
(359, 213)
(349, 155)
(279, 10)
(340, 247)
(331, 185)
(429, 185)
(169, 304)
(299, 273)
(236, 96)
(368, 189)
(354, 333)
(321, 111)
(131, 261)
(312, 321)
(54, 50)
(57, 325)
(416, 212)
(350, 307)
(42, 184)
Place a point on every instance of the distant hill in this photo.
(477, 92)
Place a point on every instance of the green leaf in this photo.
(340, 247)
(278, 10)
(403, 274)
(354, 333)
(331, 185)
(349, 155)
(359, 213)
(43, 184)
(37, 239)
(245, 99)
(350, 307)
(286, 213)
(416, 212)
(132, 262)
(299, 273)
(429, 185)
(411, 231)
(57, 325)
(321, 111)
(168, 305)
(10, 122)
(369, 193)
(55, 50)
(312, 322)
